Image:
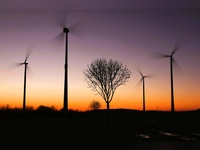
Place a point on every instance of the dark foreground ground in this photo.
(88, 130)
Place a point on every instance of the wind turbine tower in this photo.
(65, 105)
(61, 22)
(172, 62)
(30, 48)
(143, 86)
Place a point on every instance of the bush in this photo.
(95, 105)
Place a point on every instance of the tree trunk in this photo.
(108, 115)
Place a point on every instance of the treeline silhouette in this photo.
(39, 112)
(51, 112)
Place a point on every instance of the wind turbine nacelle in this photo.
(66, 30)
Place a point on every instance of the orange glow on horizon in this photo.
(115, 103)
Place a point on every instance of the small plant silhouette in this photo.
(95, 105)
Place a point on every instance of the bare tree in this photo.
(95, 105)
(104, 77)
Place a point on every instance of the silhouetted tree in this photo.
(95, 105)
(104, 77)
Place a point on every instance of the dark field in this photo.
(83, 130)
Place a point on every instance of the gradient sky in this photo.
(126, 35)
(99, 4)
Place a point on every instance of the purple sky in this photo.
(99, 4)
(126, 35)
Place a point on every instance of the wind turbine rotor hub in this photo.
(65, 30)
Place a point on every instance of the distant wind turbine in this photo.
(74, 29)
(177, 46)
(29, 51)
(143, 84)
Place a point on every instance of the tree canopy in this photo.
(105, 76)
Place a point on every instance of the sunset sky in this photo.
(127, 35)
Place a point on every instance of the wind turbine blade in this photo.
(179, 43)
(138, 69)
(177, 67)
(77, 29)
(60, 19)
(14, 65)
(29, 71)
(139, 83)
(29, 51)
(59, 37)
(150, 75)
(57, 41)
(157, 55)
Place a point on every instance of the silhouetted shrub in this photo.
(95, 105)
(45, 108)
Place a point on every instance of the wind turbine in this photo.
(61, 21)
(172, 62)
(29, 51)
(143, 85)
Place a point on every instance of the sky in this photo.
(99, 4)
(127, 35)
